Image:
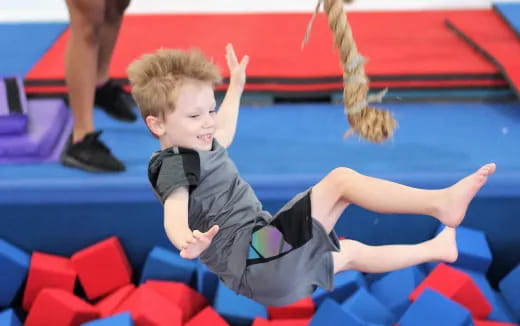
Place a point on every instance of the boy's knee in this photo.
(338, 175)
(350, 251)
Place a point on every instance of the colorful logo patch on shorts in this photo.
(267, 242)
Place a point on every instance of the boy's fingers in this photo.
(213, 230)
(245, 61)
(229, 60)
(229, 49)
(184, 254)
(230, 54)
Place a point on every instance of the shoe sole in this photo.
(115, 116)
(72, 162)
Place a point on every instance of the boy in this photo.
(212, 213)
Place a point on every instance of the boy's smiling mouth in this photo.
(205, 137)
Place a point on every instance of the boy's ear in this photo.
(155, 124)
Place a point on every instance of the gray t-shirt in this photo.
(218, 195)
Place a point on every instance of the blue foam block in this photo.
(372, 277)
(510, 288)
(235, 308)
(434, 309)
(510, 11)
(166, 265)
(367, 308)
(330, 313)
(474, 252)
(207, 283)
(429, 267)
(14, 264)
(9, 318)
(345, 284)
(122, 319)
(500, 311)
(393, 289)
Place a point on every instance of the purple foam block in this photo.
(49, 125)
(13, 118)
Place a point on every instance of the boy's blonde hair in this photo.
(155, 78)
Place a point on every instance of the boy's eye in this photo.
(194, 116)
(212, 111)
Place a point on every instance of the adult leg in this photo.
(109, 95)
(113, 16)
(343, 186)
(81, 61)
(379, 259)
(86, 151)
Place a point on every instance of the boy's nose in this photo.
(209, 122)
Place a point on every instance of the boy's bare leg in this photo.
(81, 58)
(108, 36)
(343, 186)
(379, 259)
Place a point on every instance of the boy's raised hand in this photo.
(198, 243)
(237, 70)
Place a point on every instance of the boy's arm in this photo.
(227, 115)
(176, 217)
(190, 243)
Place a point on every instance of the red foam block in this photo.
(208, 316)
(492, 323)
(58, 307)
(281, 322)
(47, 271)
(150, 308)
(188, 300)
(457, 286)
(301, 309)
(107, 305)
(102, 267)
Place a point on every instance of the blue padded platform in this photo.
(23, 44)
(283, 149)
(510, 11)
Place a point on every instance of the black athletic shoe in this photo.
(115, 101)
(91, 155)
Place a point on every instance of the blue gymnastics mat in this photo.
(510, 11)
(23, 44)
(285, 148)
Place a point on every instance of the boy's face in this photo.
(193, 122)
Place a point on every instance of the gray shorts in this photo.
(293, 274)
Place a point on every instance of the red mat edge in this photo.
(484, 53)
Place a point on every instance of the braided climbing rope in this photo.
(368, 122)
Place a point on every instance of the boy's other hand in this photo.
(237, 70)
(198, 242)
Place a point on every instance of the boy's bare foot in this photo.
(445, 244)
(457, 197)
